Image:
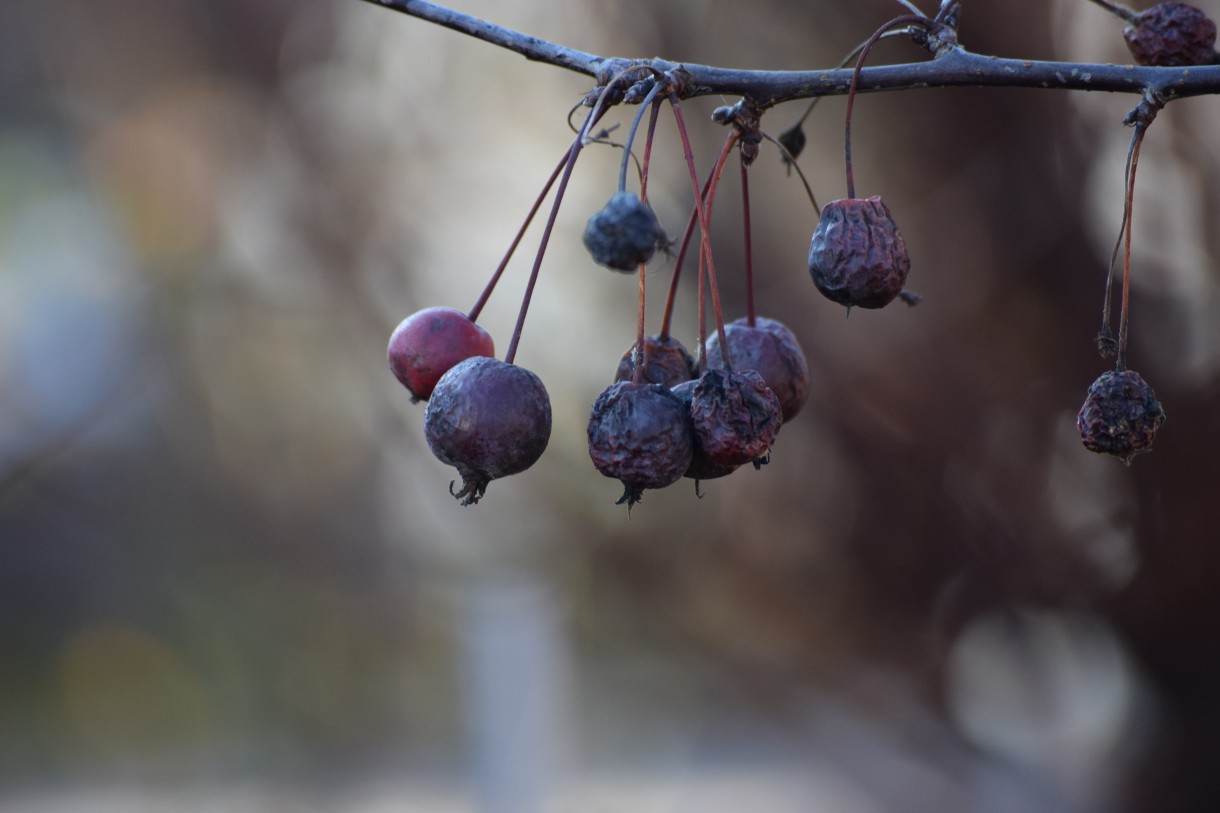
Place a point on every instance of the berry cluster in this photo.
(670, 414)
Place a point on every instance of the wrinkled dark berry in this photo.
(701, 466)
(427, 343)
(734, 416)
(1170, 34)
(793, 140)
(1120, 416)
(857, 256)
(666, 362)
(639, 434)
(489, 419)
(771, 349)
(624, 233)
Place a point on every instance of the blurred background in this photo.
(231, 574)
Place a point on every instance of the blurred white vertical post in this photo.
(514, 664)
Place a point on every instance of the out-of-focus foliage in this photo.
(230, 570)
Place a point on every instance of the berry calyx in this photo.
(1171, 34)
(640, 435)
(624, 233)
(488, 419)
(735, 416)
(665, 361)
(428, 342)
(857, 256)
(771, 349)
(1120, 415)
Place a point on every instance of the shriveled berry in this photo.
(489, 419)
(735, 416)
(857, 256)
(639, 434)
(772, 350)
(624, 233)
(1170, 34)
(666, 361)
(1120, 415)
(428, 342)
(701, 467)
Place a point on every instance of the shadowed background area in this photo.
(231, 573)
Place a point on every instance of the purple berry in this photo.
(428, 342)
(640, 435)
(489, 419)
(624, 233)
(1120, 415)
(857, 256)
(666, 361)
(1171, 34)
(734, 416)
(701, 466)
(771, 349)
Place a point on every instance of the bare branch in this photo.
(954, 66)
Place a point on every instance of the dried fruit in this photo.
(1120, 415)
(857, 256)
(666, 362)
(427, 343)
(624, 233)
(734, 416)
(489, 419)
(1170, 34)
(639, 434)
(701, 466)
(771, 349)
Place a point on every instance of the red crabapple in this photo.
(428, 342)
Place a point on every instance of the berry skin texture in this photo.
(1172, 34)
(701, 466)
(428, 342)
(489, 419)
(734, 416)
(666, 362)
(771, 349)
(857, 256)
(640, 435)
(1120, 415)
(624, 233)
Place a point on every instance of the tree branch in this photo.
(954, 66)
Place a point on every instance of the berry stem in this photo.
(573, 153)
(635, 126)
(1118, 11)
(652, 129)
(1105, 337)
(474, 312)
(906, 20)
(713, 285)
(792, 163)
(705, 247)
(1137, 141)
(667, 319)
(637, 372)
(749, 247)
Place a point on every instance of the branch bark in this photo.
(954, 66)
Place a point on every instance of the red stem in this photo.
(705, 247)
(1122, 318)
(909, 19)
(473, 315)
(573, 153)
(677, 275)
(745, 208)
